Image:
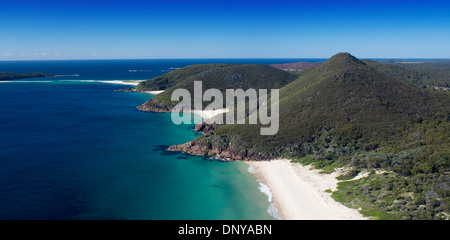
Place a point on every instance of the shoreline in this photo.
(134, 90)
(153, 92)
(122, 82)
(298, 192)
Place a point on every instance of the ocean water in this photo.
(80, 150)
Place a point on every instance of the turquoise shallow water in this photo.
(83, 151)
(80, 150)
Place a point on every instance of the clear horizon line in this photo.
(93, 59)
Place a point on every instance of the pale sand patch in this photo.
(131, 82)
(208, 114)
(299, 192)
(154, 92)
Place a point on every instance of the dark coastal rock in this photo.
(125, 90)
(197, 148)
(205, 128)
(229, 154)
(151, 106)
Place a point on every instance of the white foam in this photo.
(266, 190)
(121, 82)
(272, 210)
(77, 80)
(251, 169)
(134, 83)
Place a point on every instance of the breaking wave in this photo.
(272, 210)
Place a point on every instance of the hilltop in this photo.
(344, 99)
(430, 74)
(219, 76)
(171, 79)
(345, 113)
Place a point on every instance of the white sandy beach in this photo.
(131, 82)
(154, 92)
(299, 193)
(208, 114)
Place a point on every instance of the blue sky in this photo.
(222, 29)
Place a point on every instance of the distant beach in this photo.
(154, 92)
(124, 82)
(88, 154)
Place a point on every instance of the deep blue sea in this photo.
(77, 149)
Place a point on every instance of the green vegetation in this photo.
(339, 107)
(345, 113)
(173, 78)
(416, 185)
(421, 74)
(392, 196)
(6, 76)
(219, 76)
(362, 115)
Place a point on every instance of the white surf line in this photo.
(121, 82)
(271, 209)
(154, 92)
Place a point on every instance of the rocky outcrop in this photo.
(217, 152)
(125, 90)
(151, 106)
(205, 128)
